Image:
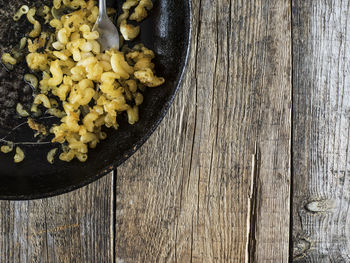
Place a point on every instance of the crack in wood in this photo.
(252, 213)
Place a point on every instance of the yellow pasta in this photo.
(138, 99)
(21, 11)
(60, 55)
(36, 25)
(51, 155)
(19, 156)
(126, 7)
(94, 14)
(129, 31)
(21, 111)
(67, 156)
(91, 35)
(148, 78)
(132, 85)
(75, 36)
(94, 87)
(140, 11)
(37, 61)
(22, 43)
(42, 99)
(85, 46)
(120, 66)
(32, 80)
(96, 48)
(54, 103)
(7, 148)
(58, 45)
(57, 4)
(7, 58)
(56, 24)
(56, 112)
(102, 135)
(78, 3)
(63, 35)
(89, 119)
(47, 14)
(57, 74)
(38, 43)
(133, 114)
(82, 157)
(88, 137)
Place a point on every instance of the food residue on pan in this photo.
(40, 128)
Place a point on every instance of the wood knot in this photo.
(300, 247)
(320, 206)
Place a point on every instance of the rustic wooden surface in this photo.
(75, 227)
(249, 165)
(321, 131)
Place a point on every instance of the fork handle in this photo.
(102, 8)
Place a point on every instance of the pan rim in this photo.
(135, 147)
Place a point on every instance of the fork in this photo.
(109, 35)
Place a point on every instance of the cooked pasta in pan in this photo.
(81, 85)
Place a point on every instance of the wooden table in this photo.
(250, 164)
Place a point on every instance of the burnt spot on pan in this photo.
(13, 88)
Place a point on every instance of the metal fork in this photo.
(109, 35)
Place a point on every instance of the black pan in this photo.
(167, 31)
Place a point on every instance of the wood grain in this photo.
(74, 227)
(184, 196)
(192, 193)
(321, 131)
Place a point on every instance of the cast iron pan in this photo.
(167, 32)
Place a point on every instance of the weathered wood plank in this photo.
(184, 196)
(322, 131)
(75, 227)
(270, 81)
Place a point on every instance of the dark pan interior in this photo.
(167, 32)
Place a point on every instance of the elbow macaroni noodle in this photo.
(7, 148)
(36, 25)
(19, 156)
(51, 155)
(7, 58)
(21, 11)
